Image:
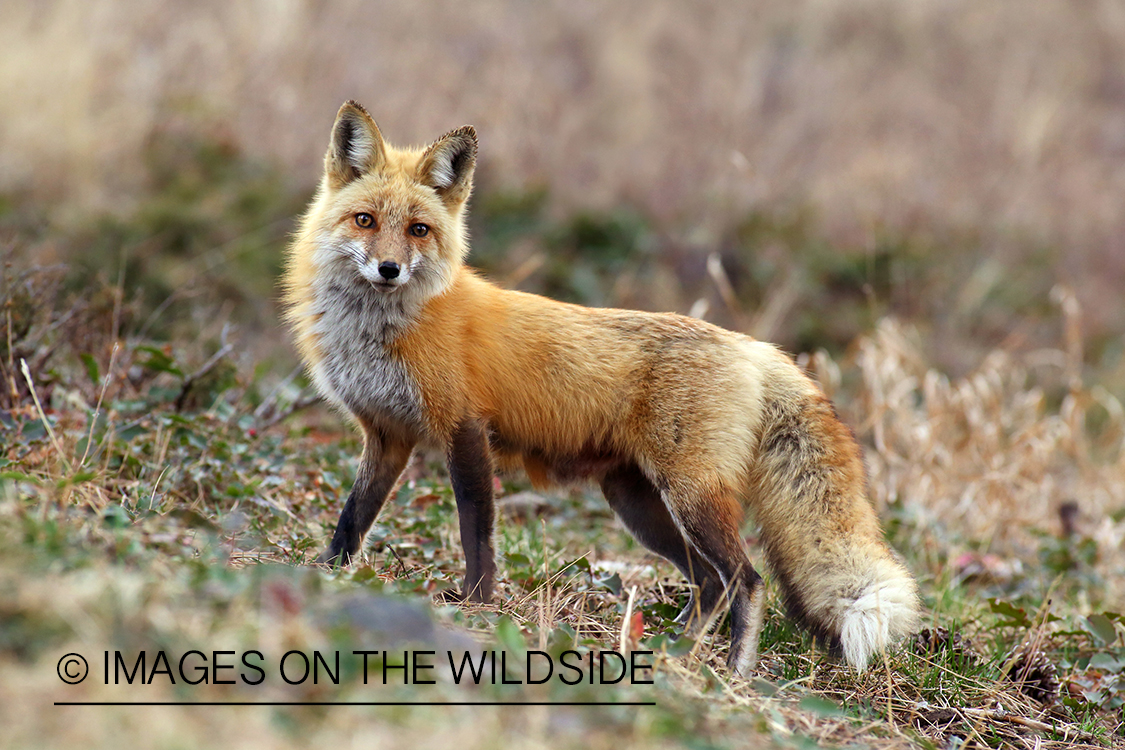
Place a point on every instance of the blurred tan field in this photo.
(999, 121)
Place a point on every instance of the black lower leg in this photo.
(360, 510)
(639, 506)
(712, 525)
(470, 471)
(382, 463)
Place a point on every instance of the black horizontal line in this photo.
(354, 703)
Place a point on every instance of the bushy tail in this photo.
(822, 539)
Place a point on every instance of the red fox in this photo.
(680, 422)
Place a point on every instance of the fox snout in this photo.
(388, 269)
(386, 273)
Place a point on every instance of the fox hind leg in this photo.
(638, 504)
(711, 522)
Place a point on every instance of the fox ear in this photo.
(357, 146)
(447, 165)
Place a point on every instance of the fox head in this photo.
(393, 218)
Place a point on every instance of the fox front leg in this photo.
(384, 459)
(470, 470)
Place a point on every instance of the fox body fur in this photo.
(682, 423)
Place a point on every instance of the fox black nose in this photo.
(388, 269)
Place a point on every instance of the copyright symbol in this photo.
(73, 669)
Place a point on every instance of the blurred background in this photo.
(948, 162)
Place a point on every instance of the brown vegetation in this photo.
(998, 121)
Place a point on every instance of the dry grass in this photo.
(998, 453)
(1004, 121)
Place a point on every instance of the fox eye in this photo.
(364, 221)
(419, 230)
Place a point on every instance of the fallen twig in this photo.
(1068, 732)
(209, 365)
(302, 402)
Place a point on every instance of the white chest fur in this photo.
(356, 370)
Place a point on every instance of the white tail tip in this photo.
(870, 623)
